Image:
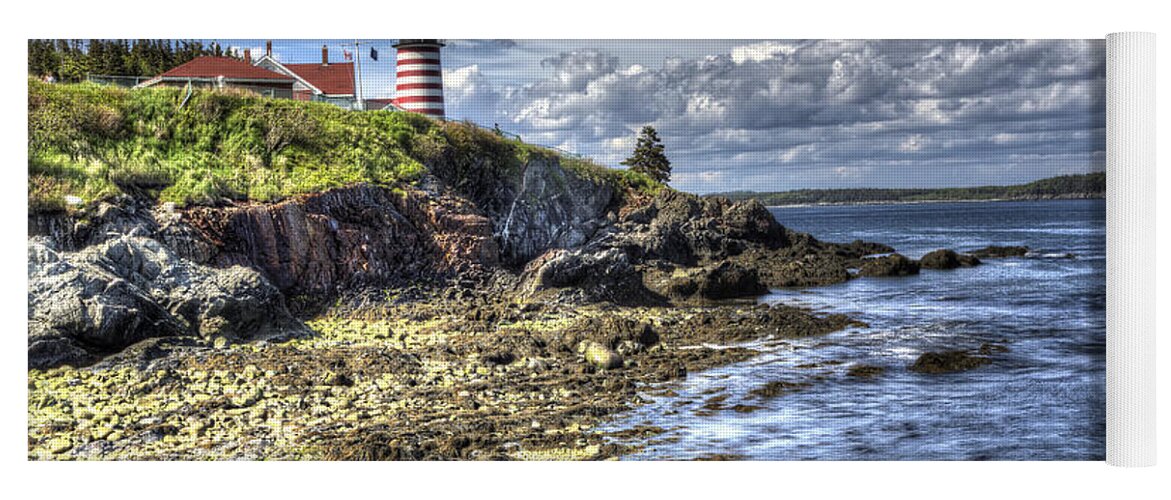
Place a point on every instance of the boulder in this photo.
(587, 275)
(947, 362)
(562, 268)
(865, 371)
(612, 331)
(721, 281)
(811, 269)
(687, 230)
(1000, 252)
(751, 221)
(947, 259)
(990, 348)
(674, 230)
(600, 356)
(889, 265)
(84, 304)
(727, 280)
(860, 248)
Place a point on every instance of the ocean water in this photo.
(1044, 399)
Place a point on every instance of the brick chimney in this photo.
(248, 56)
(268, 48)
(324, 55)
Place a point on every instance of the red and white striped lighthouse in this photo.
(419, 77)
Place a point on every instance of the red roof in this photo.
(334, 78)
(212, 67)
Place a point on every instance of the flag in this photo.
(348, 55)
(373, 53)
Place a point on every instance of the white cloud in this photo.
(461, 79)
(913, 143)
(1003, 138)
(797, 152)
(761, 51)
(846, 172)
(816, 113)
(633, 69)
(256, 52)
(620, 143)
(705, 107)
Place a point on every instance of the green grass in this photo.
(89, 142)
(625, 180)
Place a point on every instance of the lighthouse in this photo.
(419, 77)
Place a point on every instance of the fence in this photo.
(121, 81)
(497, 130)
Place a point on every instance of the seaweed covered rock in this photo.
(1000, 252)
(751, 221)
(810, 269)
(623, 335)
(727, 280)
(688, 231)
(860, 248)
(947, 259)
(865, 371)
(720, 281)
(600, 356)
(889, 265)
(947, 362)
(103, 298)
(604, 275)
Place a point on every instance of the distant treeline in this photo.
(1066, 186)
(72, 60)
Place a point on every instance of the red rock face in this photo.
(461, 234)
(362, 235)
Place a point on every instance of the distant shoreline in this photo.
(923, 202)
(1082, 186)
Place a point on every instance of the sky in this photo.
(774, 115)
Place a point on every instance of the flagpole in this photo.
(361, 104)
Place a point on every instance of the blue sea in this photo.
(1044, 399)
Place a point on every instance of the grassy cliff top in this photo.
(89, 142)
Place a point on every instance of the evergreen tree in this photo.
(74, 63)
(138, 58)
(648, 157)
(98, 59)
(42, 58)
(72, 60)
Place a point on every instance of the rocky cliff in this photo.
(483, 210)
(550, 207)
(312, 248)
(320, 244)
(559, 230)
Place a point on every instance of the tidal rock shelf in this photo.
(419, 321)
